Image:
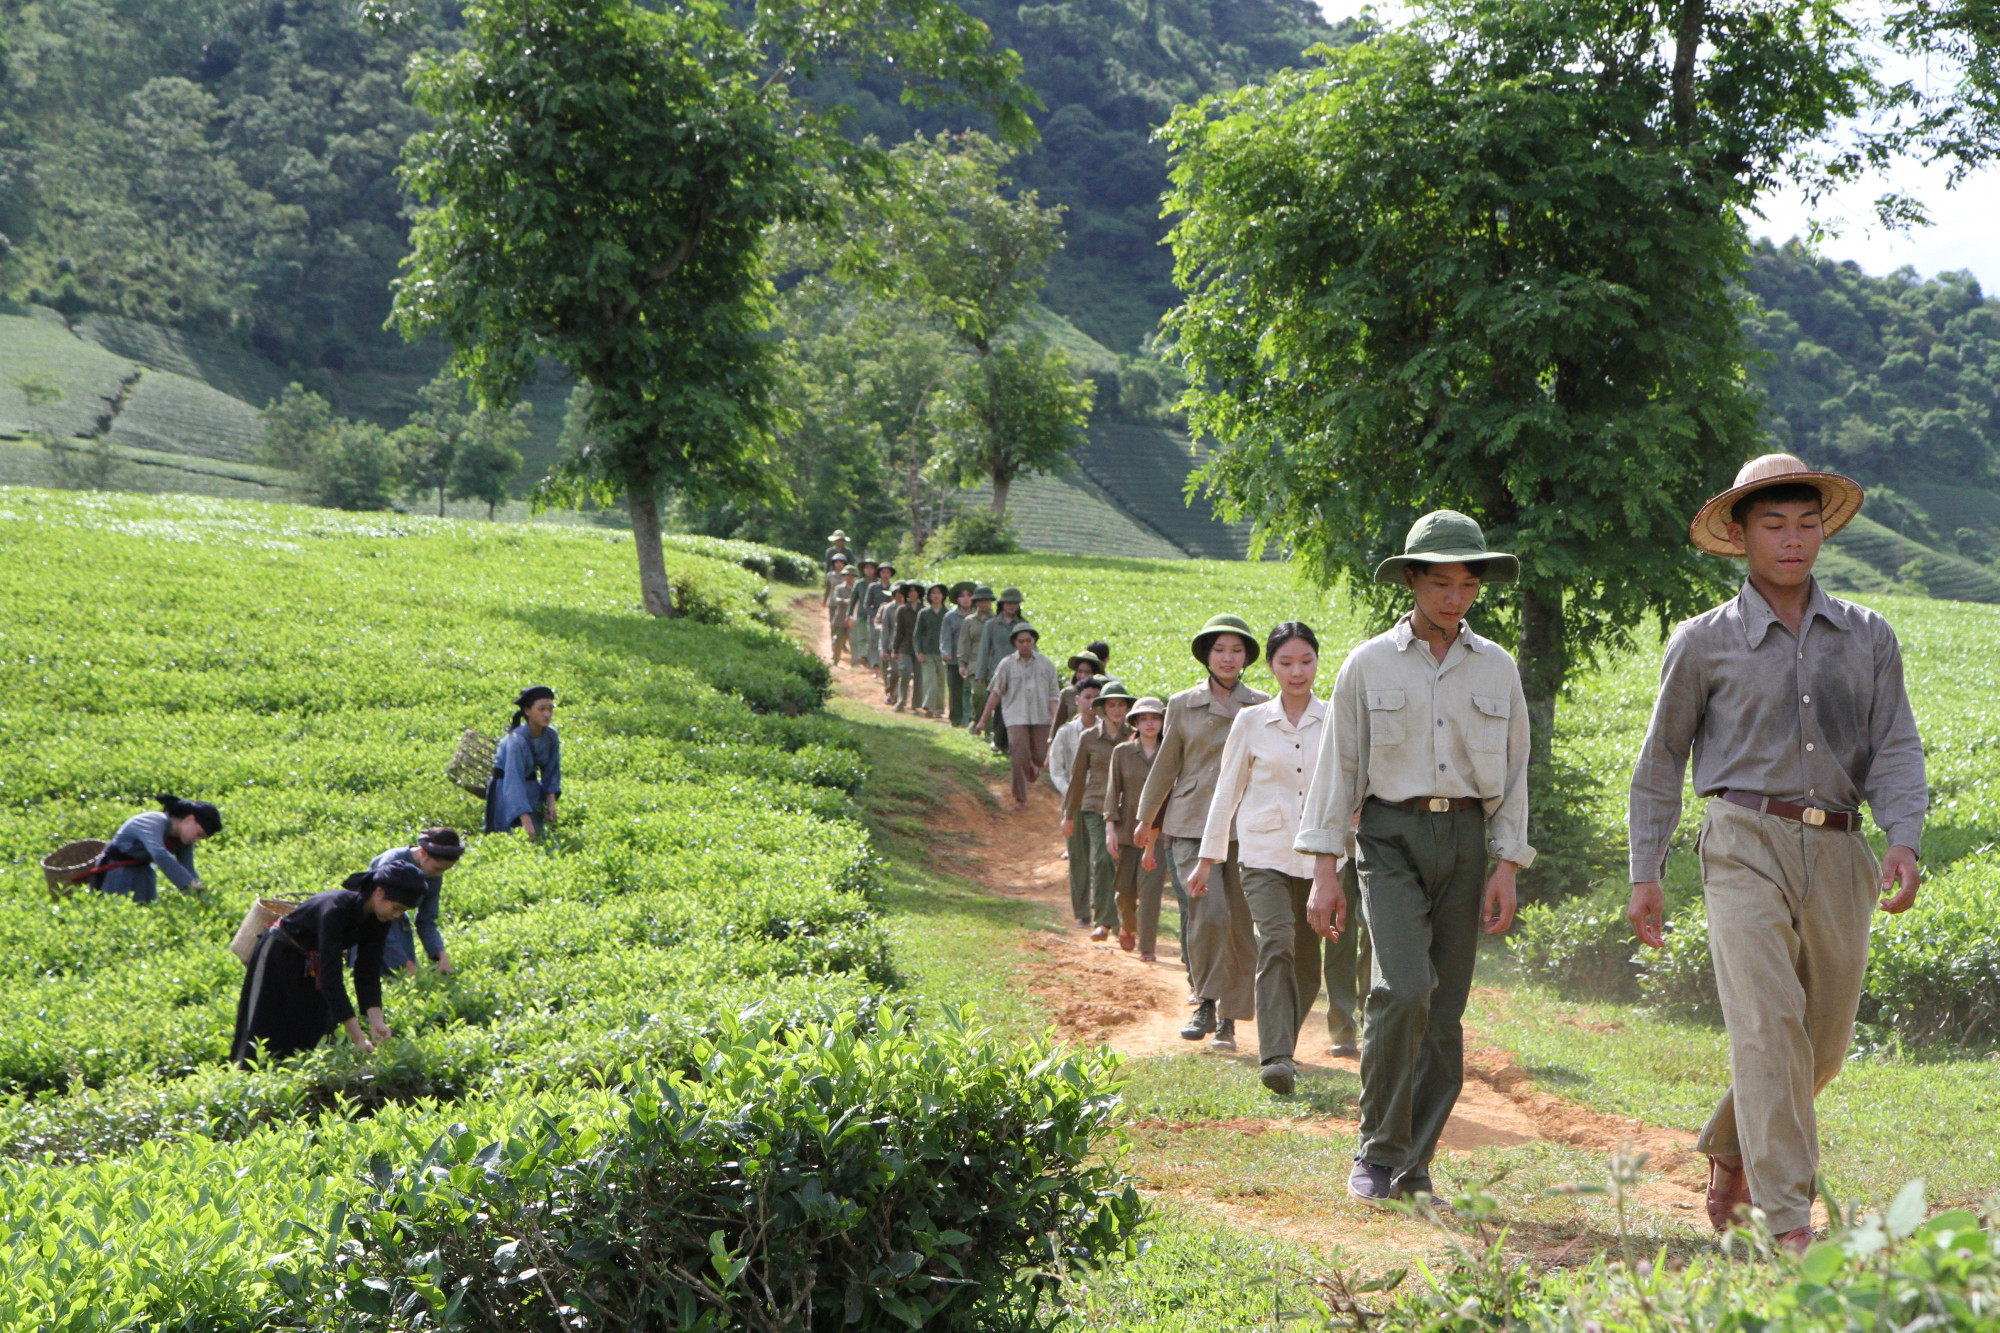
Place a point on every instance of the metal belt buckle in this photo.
(1812, 815)
(1440, 805)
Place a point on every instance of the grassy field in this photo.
(311, 672)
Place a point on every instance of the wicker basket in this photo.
(472, 767)
(60, 866)
(262, 914)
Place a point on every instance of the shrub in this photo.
(1582, 947)
(1934, 971)
(975, 532)
(812, 1178)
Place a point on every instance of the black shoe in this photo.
(1344, 1050)
(1279, 1076)
(1225, 1036)
(1202, 1023)
(1409, 1187)
(1370, 1184)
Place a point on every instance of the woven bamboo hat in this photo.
(1839, 500)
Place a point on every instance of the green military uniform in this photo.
(971, 640)
(1136, 888)
(1084, 802)
(840, 620)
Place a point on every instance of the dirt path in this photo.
(1097, 993)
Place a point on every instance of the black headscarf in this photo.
(204, 814)
(400, 881)
(533, 694)
(442, 843)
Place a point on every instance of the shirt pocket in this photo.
(1487, 740)
(1385, 717)
(1265, 821)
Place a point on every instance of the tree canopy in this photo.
(599, 188)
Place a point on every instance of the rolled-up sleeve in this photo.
(1326, 826)
(1507, 824)
(1231, 781)
(1654, 807)
(1897, 789)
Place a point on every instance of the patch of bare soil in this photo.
(1099, 994)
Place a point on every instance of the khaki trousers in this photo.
(1026, 756)
(1287, 958)
(1218, 936)
(1789, 908)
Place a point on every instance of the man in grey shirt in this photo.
(954, 683)
(1792, 705)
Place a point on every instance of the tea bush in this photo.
(311, 673)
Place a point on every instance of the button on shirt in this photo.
(1403, 725)
(1818, 720)
(1267, 767)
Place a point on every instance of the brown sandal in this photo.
(1728, 1192)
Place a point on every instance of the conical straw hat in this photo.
(1840, 500)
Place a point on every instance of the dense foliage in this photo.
(311, 673)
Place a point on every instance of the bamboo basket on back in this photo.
(60, 867)
(472, 766)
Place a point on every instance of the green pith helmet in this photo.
(963, 585)
(1011, 595)
(1086, 656)
(1447, 537)
(1114, 689)
(1024, 628)
(1225, 625)
(839, 558)
(982, 593)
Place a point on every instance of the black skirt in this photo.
(280, 1007)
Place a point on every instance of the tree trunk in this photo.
(1543, 665)
(440, 501)
(645, 506)
(1002, 483)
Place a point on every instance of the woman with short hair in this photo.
(527, 766)
(158, 842)
(293, 993)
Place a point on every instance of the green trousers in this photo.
(1346, 968)
(1287, 958)
(1103, 873)
(1079, 870)
(1422, 877)
(975, 699)
(954, 686)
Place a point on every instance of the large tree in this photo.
(598, 188)
(1490, 261)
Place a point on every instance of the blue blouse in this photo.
(147, 838)
(400, 948)
(526, 770)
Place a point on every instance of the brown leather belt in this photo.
(1840, 821)
(1434, 805)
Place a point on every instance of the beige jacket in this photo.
(1090, 770)
(1129, 765)
(1404, 725)
(1267, 765)
(1182, 783)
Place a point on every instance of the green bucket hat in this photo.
(1224, 625)
(1083, 657)
(983, 593)
(1011, 595)
(1447, 537)
(1114, 689)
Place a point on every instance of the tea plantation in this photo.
(670, 1081)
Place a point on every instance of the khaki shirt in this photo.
(1182, 782)
(1818, 720)
(840, 610)
(1267, 765)
(971, 636)
(1403, 725)
(1129, 766)
(1090, 771)
(1027, 690)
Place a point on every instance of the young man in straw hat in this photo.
(1792, 705)
(838, 538)
(1427, 742)
(1217, 933)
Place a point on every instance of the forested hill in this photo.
(1896, 381)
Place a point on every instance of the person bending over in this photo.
(294, 992)
(437, 851)
(158, 842)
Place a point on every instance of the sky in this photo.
(1964, 231)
